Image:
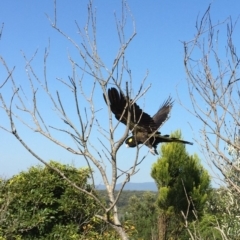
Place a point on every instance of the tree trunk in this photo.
(162, 227)
(123, 235)
(118, 227)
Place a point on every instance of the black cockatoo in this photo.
(143, 126)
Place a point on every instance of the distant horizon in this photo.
(132, 186)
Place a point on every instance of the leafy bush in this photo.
(42, 205)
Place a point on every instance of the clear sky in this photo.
(157, 48)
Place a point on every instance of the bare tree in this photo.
(84, 127)
(211, 63)
(212, 69)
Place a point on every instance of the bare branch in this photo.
(7, 78)
(1, 31)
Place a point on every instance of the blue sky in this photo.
(157, 48)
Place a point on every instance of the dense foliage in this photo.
(41, 205)
(142, 213)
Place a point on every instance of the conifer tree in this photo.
(182, 184)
